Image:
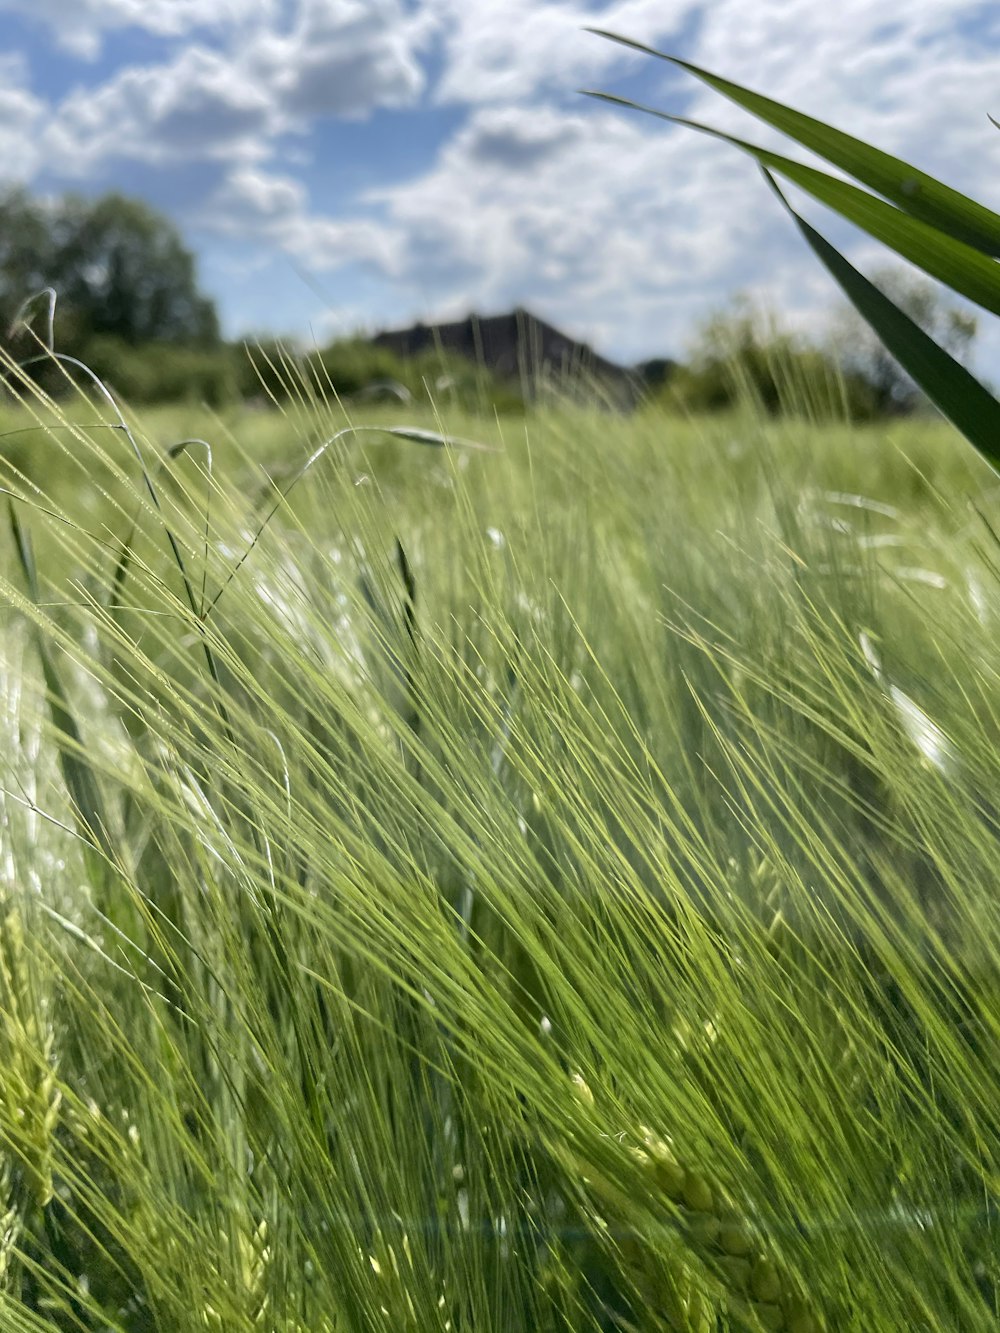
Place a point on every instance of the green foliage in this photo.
(744, 356)
(25, 252)
(351, 365)
(454, 382)
(128, 305)
(119, 269)
(159, 372)
(345, 367)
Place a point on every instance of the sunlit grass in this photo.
(550, 888)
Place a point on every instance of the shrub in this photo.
(744, 356)
(163, 372)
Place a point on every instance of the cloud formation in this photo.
(623, 228)
(235, 101)
(590, 216)
(498, 50)
(631, 227)
(340, 59)
(197, 105)
(21, 114)
(79, 25)
(273, 209)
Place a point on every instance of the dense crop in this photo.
(544, 887)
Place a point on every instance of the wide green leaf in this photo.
(914, 191)
(959, 395)
(965, 269)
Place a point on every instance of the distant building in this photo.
(521, 347)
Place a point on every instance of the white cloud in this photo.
(900, 75)
(79, 25)
(328, 243)
(197, 105)
(623, 228)
(21, 118)
(254, 204)
(340, 57)
(510, 49)
(590, 219)
(337, 57)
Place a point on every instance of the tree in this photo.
(118, 267)
(25, 251)
(860, 353)
(743, 354)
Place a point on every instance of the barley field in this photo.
(547, 885)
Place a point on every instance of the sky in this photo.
(342, 165)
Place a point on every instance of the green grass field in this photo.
(543, 887)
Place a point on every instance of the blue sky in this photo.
(342, 164)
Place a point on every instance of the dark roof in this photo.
(516, 345)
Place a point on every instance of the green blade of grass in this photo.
(416, 435)
(964, 268)
(958, 394)
(914, 191)
(81, 782)
(125, 556)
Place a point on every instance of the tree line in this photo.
(130, 308)
(120, 270)
(746, 353)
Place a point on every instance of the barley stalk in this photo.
(256, 1253)
(10, 1225)
(29, 1091)
(754, 1284)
